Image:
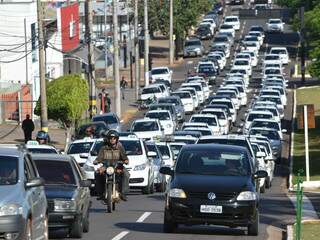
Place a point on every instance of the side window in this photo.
(27, 173)
(78, 171)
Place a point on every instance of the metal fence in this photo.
(282, 13)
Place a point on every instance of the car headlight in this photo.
(140, 167)
(247, 196)
(10, 209)
(64, 205)
(88, 168)
(177, 193)
(110, 170)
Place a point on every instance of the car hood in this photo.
(60, 191)
(135, 160)
(10, 194)
(147, 134)
(159, 76)
(207, 183)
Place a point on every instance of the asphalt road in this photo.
(142, 216)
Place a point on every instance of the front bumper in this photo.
(62, 219)
(233, 213)
(12, 224)
(192, 53)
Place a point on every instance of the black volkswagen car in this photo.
(67, 193)
(213, 184)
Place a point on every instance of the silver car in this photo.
(23, 203)
(193, 47)
(111, 119)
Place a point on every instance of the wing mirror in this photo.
(260, 174)
(36, 182)
(166, 171)
(152, 154)
(84, 155)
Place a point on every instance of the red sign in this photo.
(69, 27)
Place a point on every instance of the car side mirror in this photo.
(84, 155)
(61, 151)
(166, 171)
(260, 154)
(85, 183)
(260, 174)
(284, 130)
(36, 182)
(152, 154)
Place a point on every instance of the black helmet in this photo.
(110, 134)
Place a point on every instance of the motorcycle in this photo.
(113, 178)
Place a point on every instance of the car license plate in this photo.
(210, 209)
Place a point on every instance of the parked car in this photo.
(206, 179)
(23, 204)
(67, 193)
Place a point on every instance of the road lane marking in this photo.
(120, 235)
(143, 217)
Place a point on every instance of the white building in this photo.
(19, 45)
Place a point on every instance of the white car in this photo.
(186, 99)
(80, 149)
(194, 94)
(243, 73)
(165, 119)
(222, 118)
(163, 73)
(268, 123)
(271, 71)
(207, 22)
(152, 91)
(282, 92)
(147, 128)
(254, 114)
(258, 35)
(273, 109)
(272, 58)
(276, 100)
(205, 86)
(254, 57)
(166, 153)
(251, 39)
(273, 65)
(211, 120)
(227, 28)
(199, 89)
(275, 25)
(260, 158)
(232, 20)
(246, 56)
(251, 46)
(282, 52)
(220, 59)
(243, 64)
(229, 103)
(273, 92)
(231, 94)
(35, 147)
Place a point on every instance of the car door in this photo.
(35, 198)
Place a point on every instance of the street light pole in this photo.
(171, 44)
(105, 40)
(146, 44)
(136, 50)
(116, 73)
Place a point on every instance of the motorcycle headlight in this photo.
(10, 210)
(88, 168)
(247, 196)
(64, 205)
(177, 193)
(140, 167)
(110, 170)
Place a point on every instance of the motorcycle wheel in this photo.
(109, 198)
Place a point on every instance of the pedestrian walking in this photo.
(27, 127)
(107, 103)
(123, 85)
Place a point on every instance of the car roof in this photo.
(51, 157)
(146, 120)
(229, 137)
(204, 115)
(156, 68)
(158, 111)
(211, 146)
(84, 140)
(11, 150)
(43, 146)
(259, 112)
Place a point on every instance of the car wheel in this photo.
(146, 189)
(253, 228)
(169, 226)
(76, 230)
(86, 223)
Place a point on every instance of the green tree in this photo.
(67, 99)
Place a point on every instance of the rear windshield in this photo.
(278, 51)
(209, 120)
(159, 71)
(192, 43)
(150, 90)
(272, 135)
(77, 148)
(253, 116)
(272, 125)
(8, 170)
(145, 126)
(272, 57)
(106, 119)
(56, 172)
(42, 150)
(164, 150)
(182, 95)
(169, 100)
(158, 115)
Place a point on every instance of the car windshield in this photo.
(106, 119)
(211, 121)
(56, 172)
(81, 147)
(270, 93)
(265, 124)
(253, 116)
(274, 21)
(251, 38)
(182, 94)
(204, 132)
(158, 115)
(150, 90)
(241, 63)
(225, 26)
(271, 99)
(231, 20)
(220, 115)
(272, 71)
(220, 39)
(258, 29)
(42, 150)
(278, 51)
(272, 57)
(206, 69)
(169, 100)
(270, 134)
(97, 128)
(145, 126)
(213, 162)
(159, 71)
(192, 43)
(186, 140)
(8, 170)
(132, 147)
(228, 104)
(245, 56)
(225, 93)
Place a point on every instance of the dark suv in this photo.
(213, 184)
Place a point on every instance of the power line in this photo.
(16, 60)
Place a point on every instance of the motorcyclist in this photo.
(110, 154)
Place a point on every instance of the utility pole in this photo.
(105, 40)
(136, 49)
(26, 49)
(146, 44)
(43, 92)
(91, 70)
(171, 44)
(302, 42)
(128, 49)
(116, 74)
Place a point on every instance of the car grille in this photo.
(219, 196)
(136, 180)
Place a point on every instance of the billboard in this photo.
(68, 26)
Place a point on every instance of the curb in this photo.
(292, 138)
(289, 232)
